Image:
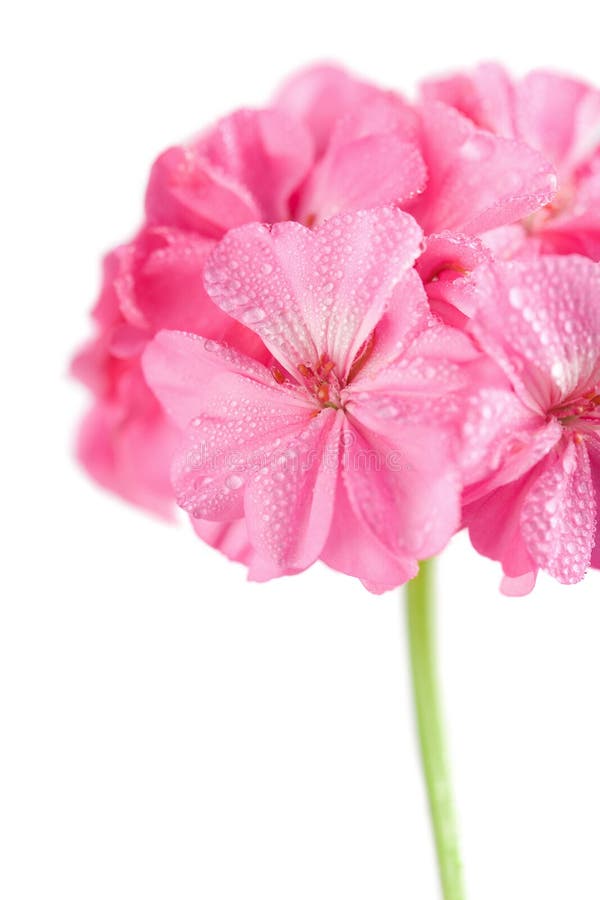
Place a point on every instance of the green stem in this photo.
(420, 616)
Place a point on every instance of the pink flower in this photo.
(125, 441)
(261, 165)
(344, 448)
(536, 452)
(560, 117)
(476, 181)
(268, 165)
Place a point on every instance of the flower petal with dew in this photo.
(346, 422)
(476, 180)
(253, 165)
(560, 117)
(535, 506)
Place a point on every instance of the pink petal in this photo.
(414, 381)
(407, 315)
(113, 444)
(477, 181)
(594, 454)
(161, 287)
(445, 266)
(371, 159)
(501, 439)
(266, 151)
(560, 116)
(322, 95)
(401, 485)
(246, 168)
(352, 548)
(538, 319)
(240, 426)
(518, 586)
(179, 367)
(494, 524)
(577, 229)
(558, 519)
(185, 192)
(511, 242)
(289, 501)
(486, 96)
(231, 539)
(375, 170)
(307, 293)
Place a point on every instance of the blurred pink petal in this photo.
(321, 96)
(555, 114)
(477, 181)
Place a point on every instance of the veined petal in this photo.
(354, 549)
(423, 384)
(322, 96)
(501, 439)
(178, 367)
(185, 191)
(486, 96)
(244, 169)
(402, 486)
(289, 501)
(477, 181)
(558, 519)
(374, 170)
(540, 320)
(241, 424)
(266, 150)
(559, 116)
(312, 292)
(407, 315)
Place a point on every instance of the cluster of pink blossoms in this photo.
(351, 325)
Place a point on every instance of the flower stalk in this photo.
(426, 693)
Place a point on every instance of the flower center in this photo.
(581, 414)
(320, 381)
(559, 204)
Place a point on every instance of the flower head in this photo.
(534, 505)
(558, 116)
(344, 448)
(330, 143)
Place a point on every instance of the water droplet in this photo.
(252, 316)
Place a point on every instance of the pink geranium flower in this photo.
(255, 165)
(560, 117)
(476, 181)
(344, 448)
(125, 441)
(537, 451)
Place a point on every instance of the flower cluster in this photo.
(351, 325)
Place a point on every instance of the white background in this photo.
(168, 730)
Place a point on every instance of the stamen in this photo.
(323, 393)
(305, 371)
(580, 414)
(278, 375)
